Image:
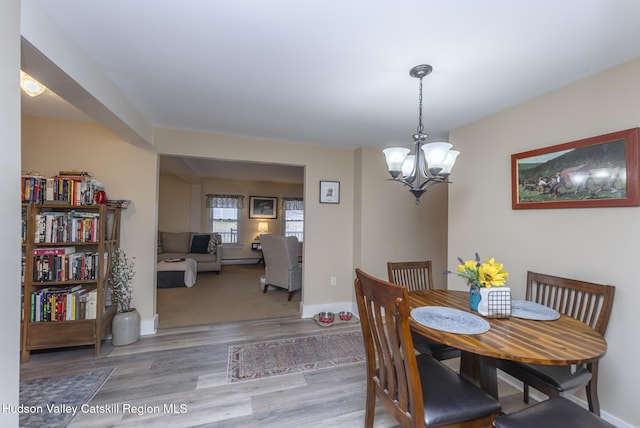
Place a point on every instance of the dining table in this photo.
(561, 341)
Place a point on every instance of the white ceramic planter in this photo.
(125, 328)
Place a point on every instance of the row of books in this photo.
(66, 226)
(63, 264)
(70, 187)
(63, 304)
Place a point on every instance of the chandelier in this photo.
(430, 164)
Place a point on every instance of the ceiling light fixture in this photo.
(31, 86)
(430, 164)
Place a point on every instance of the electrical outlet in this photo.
(333, 280)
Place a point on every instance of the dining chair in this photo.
(585, 301)
(556, 412)
(417, 390)
(415, 276)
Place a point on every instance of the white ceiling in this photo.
(337, 72)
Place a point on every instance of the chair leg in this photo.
(290, 295)
(592, 389)
(525, 393)
(266, 286)
(370, 407)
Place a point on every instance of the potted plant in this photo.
(481, 276)
(125, 327)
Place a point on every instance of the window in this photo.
(293, 209)
(223, 215)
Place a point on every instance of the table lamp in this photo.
(263, 227)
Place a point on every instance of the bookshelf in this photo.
(66, 257)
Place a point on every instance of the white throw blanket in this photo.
(189, 266)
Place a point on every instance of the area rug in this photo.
(295, 355)
(54, 401)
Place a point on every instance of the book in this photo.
(92, 304)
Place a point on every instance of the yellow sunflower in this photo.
(492, 273)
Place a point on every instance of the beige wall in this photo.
(127, 172)
(10, 208)
(328, 227)
(248, 227)
(595, 244)
(391, 227)
(176, 206)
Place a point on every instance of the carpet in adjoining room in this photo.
(294, 355)
(52, 400)
(233, 295)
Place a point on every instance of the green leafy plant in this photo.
(121, 279)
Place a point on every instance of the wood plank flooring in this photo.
(178, 378)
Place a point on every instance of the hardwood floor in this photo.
(178, 378)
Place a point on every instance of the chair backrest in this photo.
(585, 301)
(279, 250)
(391, 361)
(412, 275)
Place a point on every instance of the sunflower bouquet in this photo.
(488, 273)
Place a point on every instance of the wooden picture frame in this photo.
(599, 171)
(329, 192)
(263, 207)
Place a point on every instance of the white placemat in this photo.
(450, 320)
(532, 311)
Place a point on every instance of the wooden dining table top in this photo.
(558, 342)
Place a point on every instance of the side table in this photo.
(256, 246)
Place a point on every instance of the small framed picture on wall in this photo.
(329, 192)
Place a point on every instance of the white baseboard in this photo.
(149, 326)
(240, 261)
(308, 311)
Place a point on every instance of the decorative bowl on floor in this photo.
(326, 317)
(345, 316)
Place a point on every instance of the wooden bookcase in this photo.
(90, 233)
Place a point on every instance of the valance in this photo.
(225, 201)
(293, 203)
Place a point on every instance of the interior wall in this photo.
(174, 205)
(248, 227)
(328, 227)
(127, 172)
(174, 209)
(593, 244)
(10, 208)
(392, 227)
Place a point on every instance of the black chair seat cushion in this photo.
(558, 377)
(555, 412)
(448, 398)
(438, 350)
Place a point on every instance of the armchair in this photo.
(281, 263)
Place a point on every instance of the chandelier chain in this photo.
(420, 125)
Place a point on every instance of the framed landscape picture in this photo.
(263, 207)
(599, 171)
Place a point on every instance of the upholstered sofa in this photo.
(205, 248)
